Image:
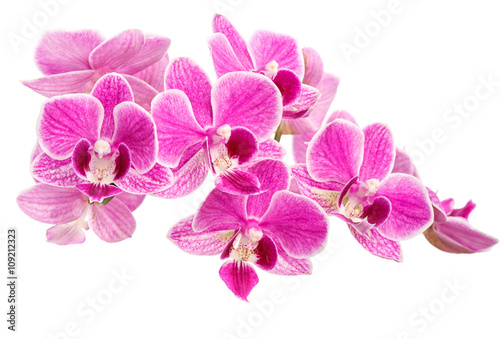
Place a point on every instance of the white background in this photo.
(430, 57)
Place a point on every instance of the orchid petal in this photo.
(144, 93)
(65, 234)
(379, 153)
(271, 149)
(267, 253)
(377, 245)
(464, 211)
(63, 83)
(239, 277)
(304, 105)
(236, 181)
(132, 201)
(243, 144)
(224, 58)
(112, 222)
(404, 164)
(439, 211)
(158, 179)
(98, 192)
(55, 172)
(154, 75)
(288, 265)
(313, 66)
(289, 85)
(153, 50)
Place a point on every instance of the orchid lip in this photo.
(102, 166)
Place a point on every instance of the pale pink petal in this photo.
(65, 120)
(51, 204)
(158, 179)
(65, 234)
(248, 100)
(440, 213)
(185, 75)
(112, 222)
(288, 265)
(335, 153)
(379, 153)
(223, 55)
(132, 201)
(117, 51)
(268, 46)
(299, 146)
(341, 115)
(60, 51)
(209, 242)
(54, 172)
(135, 128)
(404, 164)
(298, 222)
(176, 126)
(221, 24)
(304, 105)
(154, 75)
(110, 90)
(464, 211)
(144, 93)
(411, 208)
(377, 245)
(313, 66)
(239, 277)
(64, 83)
(153, 50)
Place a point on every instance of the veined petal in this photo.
(132, 201)
(379, 153)
(185, 75)
(299, 146)
(144, 93)
(54, 172)
(209, 242)
(239, 277)
(64, 234)
(271, 149)
(220, 208)
(221, 24)
(288, 265)
(304, 105)
(65, 120)
(236, 181)
(289, 85)
(273, 176)
(111, 89)
(377, 245)
(411, 208)
(154, 48)
(224, 58)
(176, 126)
(62, 51)
(63, 83)
(135, 128)
(248, 100)
(117, 51)
(51, 204)
(335, 153)
(439, 211)
(268, 46)
(154, 75)
(313, 66)
(341, 115)
(98, 192)
(112, 222)
(158, 179)
(298, 222)
(404, 164)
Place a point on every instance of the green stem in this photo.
(277, 136)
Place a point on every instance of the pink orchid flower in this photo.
(348, 172)
(70, 211)
(102, 143)
(201, 128)
(276, 230)
(277, 56)
(72, 62)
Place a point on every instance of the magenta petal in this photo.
(153, 50)
(304, 105)
(176, 126)
(209, 242)
(135, 128)
(239, 277)
(112, 222)
(132, 201)
(111, 89)
(404, 164)
(378, 212)
(117, 51)
(288, 265)
(65, 235)
(464, 211)
(185, 75)
(61, 52)
(298, 222)
(64, 83)
(123, 162)
(54, 172)
(158, 179)
(221, 24)
(324, 193)
(273, 176)
(345, 190)
(289, 85)
(143, 92)
(248, 100)
(223, 56)
(242, 144)
(439, 211)
(299, 146)
(51, 204)
(271, 149)
(377, 245)
(67, 119)
(268, 46)
(81, 158)
(457, 236)
(411, 208)
(267, 253)
(189, 175)
(379, 153)
(236, 181)
(98, 192)
(335, 152)
(341, 115)
(313, 67)
(154, 75)
(220, 208)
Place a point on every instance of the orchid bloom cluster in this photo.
(123, 121)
